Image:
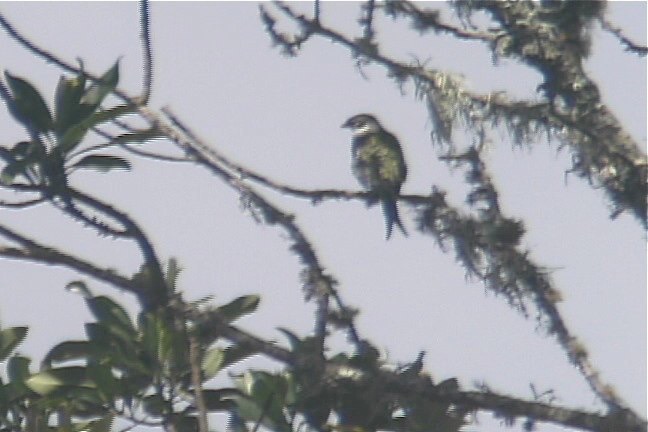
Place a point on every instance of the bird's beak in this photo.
(345, 124)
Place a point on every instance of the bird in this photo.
(378, 164)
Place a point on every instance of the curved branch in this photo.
(159, 292)
(317, 283)
(640, 50)
(36, 252)
(22, 204)
(152, 296)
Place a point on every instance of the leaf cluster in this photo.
(48, 157)
(138, 370)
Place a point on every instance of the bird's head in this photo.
(362, 124)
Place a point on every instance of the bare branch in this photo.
(640, 50)
(134, 231)
(145, 37)
(22, 204)
(38, 253)
(366, 21)
(157, 291)
(425, 20)
(317, 283)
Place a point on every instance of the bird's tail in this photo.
(390, 210)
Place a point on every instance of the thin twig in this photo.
(196, 381)
(317, 10)
(22, 204)
(112, 142)
(616, 31)
(51, 58)
(154, 156)
(430, 20)
(145, 37)
(367, 20)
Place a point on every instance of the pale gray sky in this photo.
(215, 68)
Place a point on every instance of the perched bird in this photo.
(378, 164)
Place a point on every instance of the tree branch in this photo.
(602, 148)
(145, 37)
(316, 282)
(405, 386)
(158, 294)
(426, 20)
(38, 253)
(640, 50)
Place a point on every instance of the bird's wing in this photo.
(384, 154)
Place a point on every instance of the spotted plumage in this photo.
(378, 164)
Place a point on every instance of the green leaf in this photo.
(104, 424)
(217, 359)
(117, 347)
(98, 335)
(154, 405)
(107, 385)
(48, 381)
(67, 99)
(157, 339)
(11, 171)
(71, 138)
(148, 329)
(185, 423)
(18, 151)
(241, 306)
(20, 160)
(79, 287)
(83, 401)
(10, 338)
(103, 163)
(138, 137)
(221, 399)
(173, 271)
(99, 90)
(266, 395)
(18, 369)
(213, 362)
(68, 350)
(27, 105)
(293, 339)
(112, 315)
